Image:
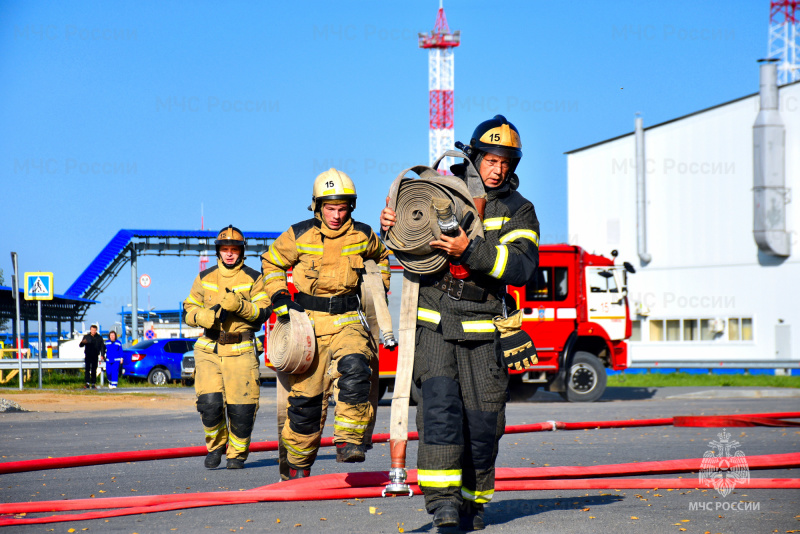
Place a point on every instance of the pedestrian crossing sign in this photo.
(38, 286)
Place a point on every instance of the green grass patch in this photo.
(644, 380)
(66, 379)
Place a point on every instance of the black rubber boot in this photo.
(235, 463)
(350, 453)
(446, 515)
(214, 457)
(472, 517)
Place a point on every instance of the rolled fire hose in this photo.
(409, 239)
(417, 223)
(292, 344)
(374, 283)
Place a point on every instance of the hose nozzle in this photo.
(397, 483)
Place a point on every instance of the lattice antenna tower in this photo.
(440, 43)
(783, 39)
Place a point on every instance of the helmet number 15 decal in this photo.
(495, 137)
(329, 184)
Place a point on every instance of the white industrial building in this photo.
(702, 206)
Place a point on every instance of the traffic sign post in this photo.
(38, 287)
(15, 285)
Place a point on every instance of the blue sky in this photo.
(133, 114)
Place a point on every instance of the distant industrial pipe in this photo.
(769, 168)
(641, 195)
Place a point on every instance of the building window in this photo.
(673, 330)
(636, 330)
(740, 329)
(747, 329)
(733, 329)
(690, 330)
(656, 330)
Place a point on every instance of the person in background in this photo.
(94, 349)
(113, 359)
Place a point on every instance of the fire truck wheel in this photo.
(586, 381)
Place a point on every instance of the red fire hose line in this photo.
(759, 419)
(364, 485)
(366, 493)
(367, 485)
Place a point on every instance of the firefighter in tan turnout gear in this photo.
(229, 302)
(461, 360)
(326, 254)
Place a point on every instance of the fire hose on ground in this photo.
(371, 484)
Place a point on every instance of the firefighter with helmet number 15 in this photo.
(461, 359)
(228, 300)
(326, 254)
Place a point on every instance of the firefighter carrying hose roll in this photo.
(460, 365)
(229, 302)
(326, 254)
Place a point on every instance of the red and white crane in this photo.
(440, 43)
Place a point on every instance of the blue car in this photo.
(157, 360)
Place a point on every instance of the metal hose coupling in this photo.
(389, 341)
(397, 483)
(446, 219)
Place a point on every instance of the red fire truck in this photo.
(575, 310)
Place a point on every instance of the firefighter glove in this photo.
(519, 353)
(282, 302)
(232, 301)
(205, 317)
(220, 313)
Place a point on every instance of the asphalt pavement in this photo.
(33, 435)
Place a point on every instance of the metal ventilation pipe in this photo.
(641, 195)
(769, 168)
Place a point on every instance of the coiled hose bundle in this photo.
(417, 225)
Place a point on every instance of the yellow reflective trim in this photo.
(431, 316)
(281, 310)
(191, 299)
(298, 452)
(214, 431)
(243, 346)
(242, 287)
(521, 234)
(254, 313)
(354, 249)
(495, 223)
(384, 268)
(439, 479)
(259, 296)
(210, 286)
(275, 257)
(480, 497)
(347, 319)
(279, 274)
(344, 419)
(203, 344)
(500, 262)
(358, 429)
(478, 326)
(308, 248)
(237, 444)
